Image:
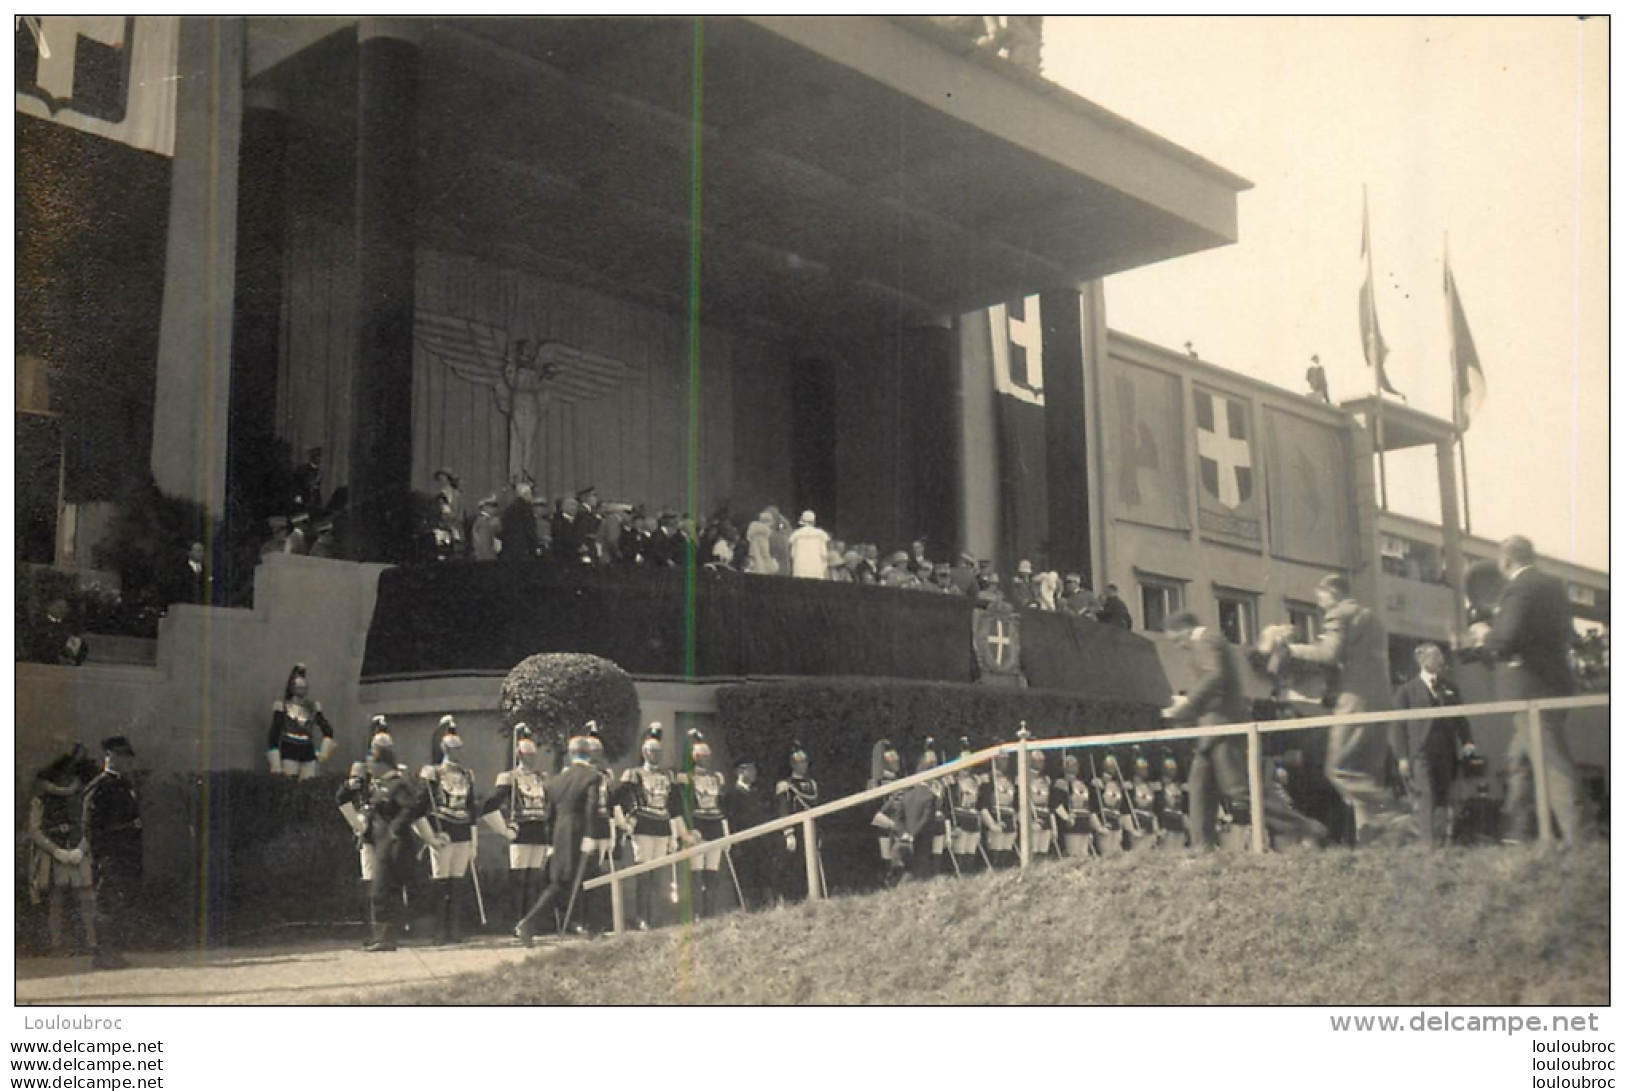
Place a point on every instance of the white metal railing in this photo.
(1254, 731)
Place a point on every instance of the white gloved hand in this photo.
(789, 842)
(511, 832)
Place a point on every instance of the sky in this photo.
(1492, 130)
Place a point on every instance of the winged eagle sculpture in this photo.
(524, 376)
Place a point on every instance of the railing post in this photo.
(1537, 769)
(1023, 799)
(1255, 784)
(617, 903)
(809, 834)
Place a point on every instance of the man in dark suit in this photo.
(518, 528)
(572, 800)
(1218, 765)
(1530, 638)
(1429, 750)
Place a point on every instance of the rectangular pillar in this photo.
(1066, 434)
(379, 526)
(192, 398)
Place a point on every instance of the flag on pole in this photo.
(1376, 349)
(1471, 388)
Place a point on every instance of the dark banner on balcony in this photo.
(487, 617)
(463, 618)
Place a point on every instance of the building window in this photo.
(1305, 622)
(1160, 599)
(1238, 615)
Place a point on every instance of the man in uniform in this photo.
(1432, 748)
(965, 802)
(1071, 804)
(1353, 651)
(648, 794)
(1530, 640)
(745, 803)
(1171, 803)
(1219, 768)
(517, 811)
(1108, 820)
(394, 807)
(112, 825)
(60, 859)
(997, 810)
(795, 794)
(355, 795)
(291, 748)
(1146, 831)
(885, 767)
(597, 914)
(572, 801)
(702, 789)
(453, 806)
(1041, 814)
(919, 820)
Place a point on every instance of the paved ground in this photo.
(313, 972)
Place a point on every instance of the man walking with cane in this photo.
(572, 800)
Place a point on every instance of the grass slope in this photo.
(1381, 927)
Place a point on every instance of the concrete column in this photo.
(379, 526)
(192, 398)
(977, 449)
(1066, 434)
(930, 394)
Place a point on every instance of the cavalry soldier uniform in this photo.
(355, 794)
(702, 789)
(1073, 808)
(1108, 819)
(965, 801)
(794, 794)
(884, 768)
(745, 804)
(1170, 804)
(394, 806)
(997, 810)
(1042, 815)
(649, 795)
(112, 826)
(291, 747)
(517, 811)
(1145, 831)
(60, 859)
(449, 785)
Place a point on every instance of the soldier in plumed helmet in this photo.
(997, 809)
(354, 796)
(517, 811)
(1041, 816)
(885, 766)
(965, 802)
(1171, 803)
(296, 720)
(1073, 806)
(394, 806)
(453, 807)
(1144, 831)
(654, 807)
(702, 789)
(795, 794)
(1109, 821)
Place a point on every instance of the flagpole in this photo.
(1455, 386)
(1455, 563)
(1377, 363)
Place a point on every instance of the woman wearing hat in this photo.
(291, 747)
(60, 853)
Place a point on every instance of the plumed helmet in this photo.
(653, 739)
(524, 739)
(698, 748)
(595, 741)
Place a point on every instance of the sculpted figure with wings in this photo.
(524, 376)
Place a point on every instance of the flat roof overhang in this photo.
(853, 173)
(1402, 426)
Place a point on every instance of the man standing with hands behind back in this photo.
(1429, 749)
(1530, 638)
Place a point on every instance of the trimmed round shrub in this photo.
(557, 692)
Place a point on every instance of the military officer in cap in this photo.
(702, 813)
(112, 825)
(745, 803)
(795, 794)
(1170, 803)
(395, 807)
(354, 796)
(965, 802)
(885, 767)
(572, 803)
(997, 810)
(60, 860)
(1041, 816)
(453, 807)
(1073, 807)
(517, 811)
(291, 747)
(654, 808)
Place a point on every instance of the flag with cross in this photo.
(997, 631)
(1229, 505)
(1015, 349)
